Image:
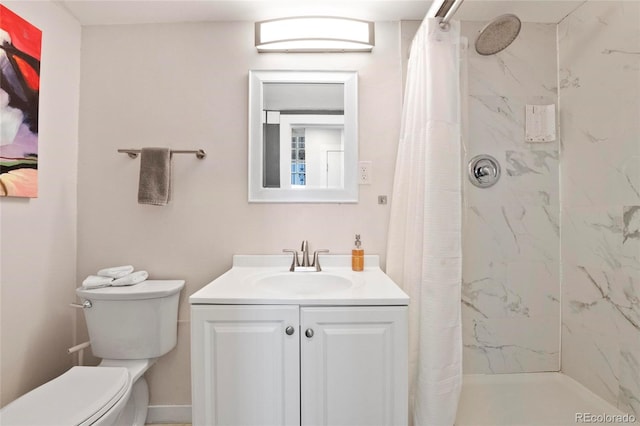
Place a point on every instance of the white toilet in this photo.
(129, 328)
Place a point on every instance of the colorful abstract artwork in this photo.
(20, 44)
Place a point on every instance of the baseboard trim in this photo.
(169, 414)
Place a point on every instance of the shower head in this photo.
(498, 34)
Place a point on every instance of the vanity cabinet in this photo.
(299, 365)
(245, 367)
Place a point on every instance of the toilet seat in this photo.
(79, 397)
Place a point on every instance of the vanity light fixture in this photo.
(314, 34)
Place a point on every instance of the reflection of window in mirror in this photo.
(303, 135)
(297, 157)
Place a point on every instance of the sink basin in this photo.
(266, 280)
(303, 283)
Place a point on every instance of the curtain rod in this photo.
(444, 9)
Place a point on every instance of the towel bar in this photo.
(133, 153)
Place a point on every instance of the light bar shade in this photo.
(314, 34)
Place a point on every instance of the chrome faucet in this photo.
(306, 264)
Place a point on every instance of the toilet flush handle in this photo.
(85, 305)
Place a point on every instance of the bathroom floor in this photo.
(534, 399)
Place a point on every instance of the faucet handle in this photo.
(295, 261)
(316, 258)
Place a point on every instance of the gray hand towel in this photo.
(155, 176)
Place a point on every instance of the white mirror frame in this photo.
(259, 194)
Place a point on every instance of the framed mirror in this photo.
(303, 136)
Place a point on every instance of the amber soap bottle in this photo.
(357, 256)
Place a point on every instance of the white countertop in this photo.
(239, 285)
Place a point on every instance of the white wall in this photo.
(599, 74)
(38, 236)
(186, 86)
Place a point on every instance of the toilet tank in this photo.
(133, 322)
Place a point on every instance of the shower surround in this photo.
(599, 72)
(511, 241)
(554, 248)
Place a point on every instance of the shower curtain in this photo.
(424, 242)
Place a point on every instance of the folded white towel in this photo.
(95, 281)
(116, 271)
(131, 279)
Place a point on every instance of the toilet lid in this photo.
(149, 289)
(78, 397)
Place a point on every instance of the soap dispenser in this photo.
(357, 256)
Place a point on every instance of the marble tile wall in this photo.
(511, 231)
(599, 96)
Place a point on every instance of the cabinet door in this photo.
(354, 367)
(245, 366)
